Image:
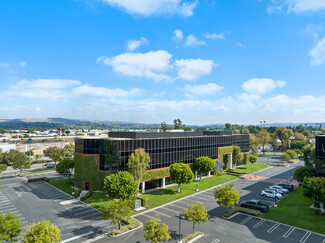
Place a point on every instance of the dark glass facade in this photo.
(114, 152)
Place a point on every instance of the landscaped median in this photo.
(295, 210)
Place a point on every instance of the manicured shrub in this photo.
(303, 172)
(242, 210)
(191, 236)
(38, 179)
(131, 223)
(77, 193)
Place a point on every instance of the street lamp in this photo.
(180, 217)
(275, 205)
(197, 186)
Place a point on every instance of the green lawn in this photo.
(62, 185)
(248, 168)
(39, 172)
(99, 200)
(163, 196)
(294, 210)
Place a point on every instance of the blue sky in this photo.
(203, 61)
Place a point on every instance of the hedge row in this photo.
(131, 223)
(150, 175)
(86, 196)
(191, 236)
(242, 210)
(38, 179)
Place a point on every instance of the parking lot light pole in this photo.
(197, 186)
(180, 217)
(275, 205)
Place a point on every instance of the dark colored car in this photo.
(255, 204)
(285, 185)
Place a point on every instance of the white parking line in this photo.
(176, 206)
(182, 203)
(305, 237)
(258, 224)
(286, 234)
(7, 210)
(170, 210)
(86, 211)
(77, 237)
(160, 213)
(323, 241)
(91, 214)
(149, 217)
(215, 241)
(246, 220)
(191, 200)
(273, 228)
(200, 198)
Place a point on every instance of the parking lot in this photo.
(276, 232)
(39, 200)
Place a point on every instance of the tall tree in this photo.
(253, 142)
(284, 134)
(252, 159)
(314, 188)
(196, 213)
(178, 124)
(181, 173)
(3, 167)
(42, 231)
(156, 232)
(274, 142)
(121, 186)
(227, 196)
(264, 138)
(10, 227)
(65, 167)
(7, 157)
(304, 172)
(68, 152)
(299, 136)
(116, 211)
(138, 163)
(309, 154)
(54, 153)
(204, 164)
(164, 126)
(21, 161)
(236, 155)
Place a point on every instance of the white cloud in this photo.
(297, 6)
(133, 44)
(155, 7)
(214, 36)
(248, 97)
(318, 53)
(261, 85)
(204, 89)
(178, 35)
(152, 65)
(37, 108)
(41, 88)
(241, 45)
(12, 67)
(191, 40)
(88, 90)
(192, 69)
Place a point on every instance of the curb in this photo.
(115, 236)
(196, 238)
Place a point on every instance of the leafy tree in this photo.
(21, 161)
(245, 131)
(42, 231)
(54, 153)
(38, 157)
(253, 142)
(68, 152)
(10, 227)
(3, 167)
(65, 167)
(116, 211)
(227, 196)
(284, 134)
(164, 126)
(299, 136)
(181, 173)
(7, 157)
(178, 124)
(204, 164)
(298, 152)
(314, 188)
(323, 130)
(303, 172)
(121, 185)
(156, 232)
(29, 153)
(1, 155)
(264, 138)
(196, 213)
(252, 159)
(228, 126)
(291, 153)
(298, 144)
(138, 163)
(309, 154)
(236, 155)
(274, 141)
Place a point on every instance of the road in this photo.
(238, 229)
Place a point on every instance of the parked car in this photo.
(50, 165)
(271, 193)
(255, 204)
(285, 185)
(276, 190)
(280, 188)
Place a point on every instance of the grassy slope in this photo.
(248, 168)
(99, 200)
(62, 185)
(294, 210)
